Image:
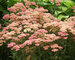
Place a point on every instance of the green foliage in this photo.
(12, 2)
(61, 12)
(5, 53)
(4, 4)
(3, 7)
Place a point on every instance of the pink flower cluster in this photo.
(54, 47)
(6, 16)
(73, 8)
(0, 26)
(57, 2)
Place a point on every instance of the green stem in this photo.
(40, 54)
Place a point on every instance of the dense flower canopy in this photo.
(34, 27)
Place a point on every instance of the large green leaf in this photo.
(45, 0)
(64, 8)
(62, 16)
(57, 12)
(42, 3)
(68, 3)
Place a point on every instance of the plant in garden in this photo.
(33, 32)
(4, 4)
(61, 9)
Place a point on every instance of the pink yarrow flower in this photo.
(0, 25)
(6, 16)
(37, 44)
(11, 44)
(54, 50)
